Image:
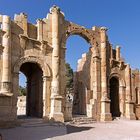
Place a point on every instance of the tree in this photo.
(69, 78)
(22, 91)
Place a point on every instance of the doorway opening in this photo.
(33, 100)
(22, 92)
(114, 97)
(78, 59)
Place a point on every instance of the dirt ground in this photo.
(33, 129)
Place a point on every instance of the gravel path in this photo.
(116, 130)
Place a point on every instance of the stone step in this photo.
(82, 120)
(30, 121)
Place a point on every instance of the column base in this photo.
(68, 111)
(8, 94)
(106, 117)
(105, 110)
(92, 109)
(46, 118)
(131, 116)
(129, 113)
(57, 117)
(56, 109)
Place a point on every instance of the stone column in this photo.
(122, 100)
(56, 98)
(129, 109)
(67, 113)
(24, 23)
(133, 82)
(138, 96)
(111, 52)
(40, 29)
(16, 92)
(97, 82)
(46, 97)
(118, 53)
(6, 57)
(105, 102)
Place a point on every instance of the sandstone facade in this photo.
(38, 50)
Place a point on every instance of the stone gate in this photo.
(38, 50)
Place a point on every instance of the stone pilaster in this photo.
(111, 52)
(118, 56)
(40, 29)
(122, 100)
(105, 102)
(46, 97)
(138, 95)
(56, 98)
(15, 81)
(24, 23)
(129, 105)
(6, 67)
(97, 81)
(63, 83)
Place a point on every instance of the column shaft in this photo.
(118, 53)
(97, 86)
(129, 109)
(56, 98)
(6, 67)
(105, 102)
(122, 100)
(40, 29)
(55, 54)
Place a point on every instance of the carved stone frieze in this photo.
(119, 64)
(30, 43)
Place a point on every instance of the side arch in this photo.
(45, 68)
(118, 76)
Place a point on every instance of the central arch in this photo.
(81, 97)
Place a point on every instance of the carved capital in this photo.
(104, 29)
(55, 9)
(6, 86)
(23, 15)
(39, 20)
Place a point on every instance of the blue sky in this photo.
(121, 17)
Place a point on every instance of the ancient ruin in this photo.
(105, 86)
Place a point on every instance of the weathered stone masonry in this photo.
(38, 50)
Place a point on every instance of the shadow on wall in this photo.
(40, 131)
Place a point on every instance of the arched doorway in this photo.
(114, 97)
(34, 97)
